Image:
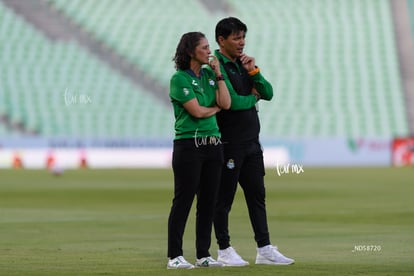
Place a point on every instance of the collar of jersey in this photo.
(223, 59)
(192, 74)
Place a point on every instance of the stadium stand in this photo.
(404, 40)
(137, 30)
(333, 65)
(411, 10)
(58, 89)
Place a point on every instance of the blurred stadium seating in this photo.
(411, 11)
(58, 89)
(333, 65)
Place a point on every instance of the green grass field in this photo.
(350, 221)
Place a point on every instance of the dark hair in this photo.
(185, 48)
(229, 25)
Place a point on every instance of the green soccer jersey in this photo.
(184, 86)
(239, 101)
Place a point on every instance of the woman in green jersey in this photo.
(197, 93)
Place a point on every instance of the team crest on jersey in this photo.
(211, 82)
(197, 87)
(185, 91)
(230, 164)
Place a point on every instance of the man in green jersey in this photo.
(197, 93)
(243, 155)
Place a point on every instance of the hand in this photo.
(248, 62)
(214, 64)
(218, 108)
(256, 93)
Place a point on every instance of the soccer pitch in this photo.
(336, 221)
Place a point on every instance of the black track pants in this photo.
(197, 171)
(243, 163)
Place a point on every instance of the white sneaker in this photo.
(179, 262)
(229, 257)
(269, 254)
(207, 262)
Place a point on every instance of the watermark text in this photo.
(76, 99)
(289, 168)
(359, 248)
